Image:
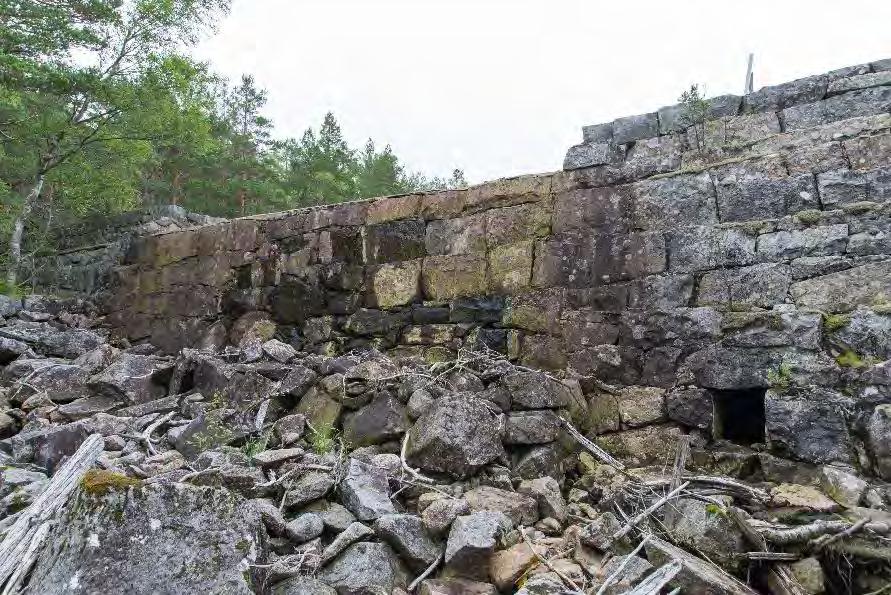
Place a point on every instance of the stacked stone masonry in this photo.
(754, 265)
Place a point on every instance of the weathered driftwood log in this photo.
(21, 544)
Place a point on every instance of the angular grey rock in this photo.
(420, 401)
(336, 517)
(691, 407)
(842, 485)
(840, 107)
(588, 155)
(531, 427)
(302, 585)
(440, 514)
(51, 341)
(535, 390)
(760, 285)
(61, 381)
(697, 575)
(46, 447)
(634, 569)
(519, 508)
(538, 461)
(11, 349)
(879, 439)
(546, 492)
(129, 378)
(809, 425)
(632, 128)
(344, 539)
(407, 535)
(112, 543)
(542, 584)
(298, 381)
(702, 248)
(457, 436)
(366, 568)
(823, 240)
(87, 407)
(598, 133)
(472, 539)
(309, 487)
(455, 586)
(381, 420)
(695, 526)
(279, 351)
(867, 333)
(271, 458)
(289, 429)
(365, 491)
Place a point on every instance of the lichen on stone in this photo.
(99, 482)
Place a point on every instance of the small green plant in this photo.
(694, 111)
(833, 322)
(323, 439)
(780, 379)
(851, 359)
(715, 510)
(254, 446)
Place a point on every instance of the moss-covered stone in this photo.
(447, 277)
(510, 267)
(395, 284)
(100, 482)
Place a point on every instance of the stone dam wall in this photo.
(731, 279)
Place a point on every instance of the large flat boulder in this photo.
(153, 538)
(457, 436)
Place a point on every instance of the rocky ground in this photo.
(246, 466)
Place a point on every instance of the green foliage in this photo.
(324, 439)
(780, 379)
(851, 359)
(833, 322)
(256, 445)
(102, 110)
(715, 510)
(694, 112)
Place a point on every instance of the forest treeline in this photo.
(103, 110)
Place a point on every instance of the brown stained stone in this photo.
(395, 284)
(508, 191)
(446, 277)
(462, 235)
(869, 152)
(536, 311)
(510, 267)
(392, 208)
(394, 241)
(510, 225)
(439, 205)
(585, 209)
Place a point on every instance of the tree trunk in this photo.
(18, 231)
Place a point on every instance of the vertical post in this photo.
(750, 79)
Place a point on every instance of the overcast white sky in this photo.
(502, 87)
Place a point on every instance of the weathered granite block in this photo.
(812, 241)
(394, 284)
(762, 190)
(757, 285)
(844, 290)
(702, 248)
(510, 267)
(632, 128)
(461, 235)
(446, 277)
(515, 224)
(394, 241)
(840, 107)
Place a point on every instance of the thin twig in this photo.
(568, 581)
(618, 572)
(414, 584)
(647, 512)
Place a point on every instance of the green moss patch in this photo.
(99, 482)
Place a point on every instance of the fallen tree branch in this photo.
(826, 540)
(803, 533)
(568, 581)
(414, 584)
(629, 526)
(405, 465)
(653, 584)
(16, 547)
(618, 572)
(590, 446)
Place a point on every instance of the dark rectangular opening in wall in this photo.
(739, 415)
